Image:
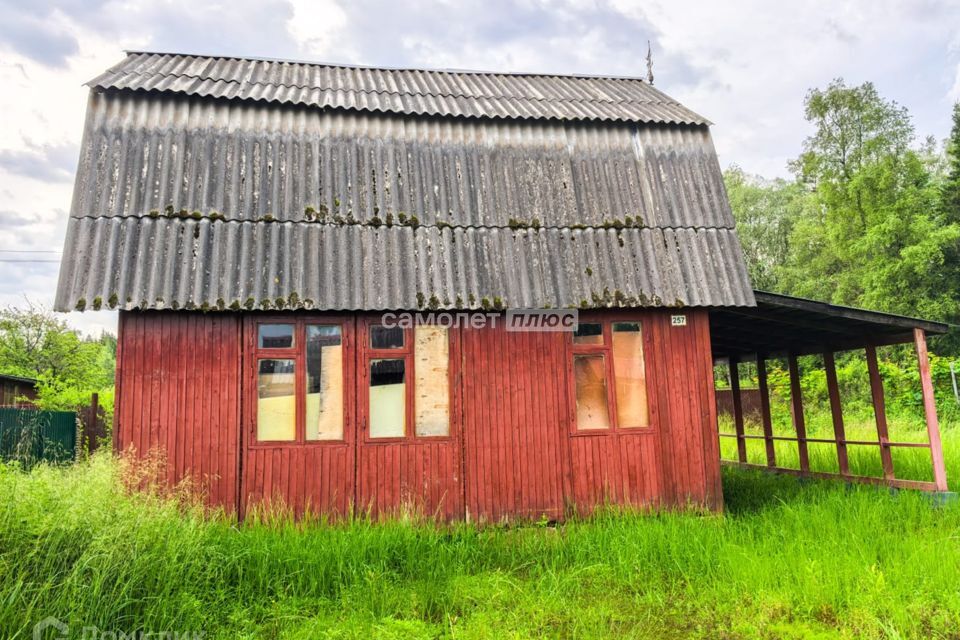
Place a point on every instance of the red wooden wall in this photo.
(178, 392)
(512, 450)
(515, 420)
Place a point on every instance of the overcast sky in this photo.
(745, 65)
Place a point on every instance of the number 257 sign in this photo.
(678, 321)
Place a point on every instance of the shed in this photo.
(17, 391)
(327, 278)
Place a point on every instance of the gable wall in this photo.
(180, 387)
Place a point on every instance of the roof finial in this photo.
(649, 63)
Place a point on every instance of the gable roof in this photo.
(186, 200)
(469, 94)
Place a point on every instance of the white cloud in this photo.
(314, 26)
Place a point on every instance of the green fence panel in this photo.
(31, 435)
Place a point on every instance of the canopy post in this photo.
(836, 411)
(737, 408)
(765, 410)
(930, 410)
(880, 412)
(799, 424)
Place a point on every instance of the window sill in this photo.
(284, 444)
(630, 431)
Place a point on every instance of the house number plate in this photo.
(678, 321)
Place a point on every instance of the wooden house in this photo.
(257, 222)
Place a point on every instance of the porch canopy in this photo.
(787, 327)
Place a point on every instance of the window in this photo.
(300, 391)
(324, 414)
(388, 398)
(276, 399)
(609, 377)
(408, 393)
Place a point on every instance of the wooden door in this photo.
(613, 433)
(409, 440)
(299, 437)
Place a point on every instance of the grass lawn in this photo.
(787, 559)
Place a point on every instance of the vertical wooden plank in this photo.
(737, 408)
(836, 410)
(708, 412)
(930, 410)
(119, 405)
(880, 412)
(665, 389)
(799, 423)
(765, 410)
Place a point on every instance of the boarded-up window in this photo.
(629, 373)
(324, 417)
(432, 383)
(388, 398)
(590, 376)
(276, 400)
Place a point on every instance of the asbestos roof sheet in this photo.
(140, 263)
(466, 94)
(184, 202)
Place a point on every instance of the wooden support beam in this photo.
(833, 389)
(799, 424)
(930, 410)
(765, 411)
(737, 408)
(880, 412)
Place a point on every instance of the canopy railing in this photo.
(839, 441)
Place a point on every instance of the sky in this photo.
(744, 64)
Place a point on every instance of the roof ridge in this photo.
(402, 92)
(344, 65)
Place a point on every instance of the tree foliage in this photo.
(871, 219)
(34, 343)
(766, 212)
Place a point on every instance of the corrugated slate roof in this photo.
(185, 202)
(401, 91)
(175, 264)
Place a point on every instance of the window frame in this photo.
(298, 353)
(366, 354)
(606, 322)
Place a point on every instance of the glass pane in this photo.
(324, 383)
(275, 336)
(432, 384)
(276, 400)
(383, 338)
(388, 398)
(591, 380)
(588, 333)
(628, 371)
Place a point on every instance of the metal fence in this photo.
(32, 435)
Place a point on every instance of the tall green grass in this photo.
(787, 559)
